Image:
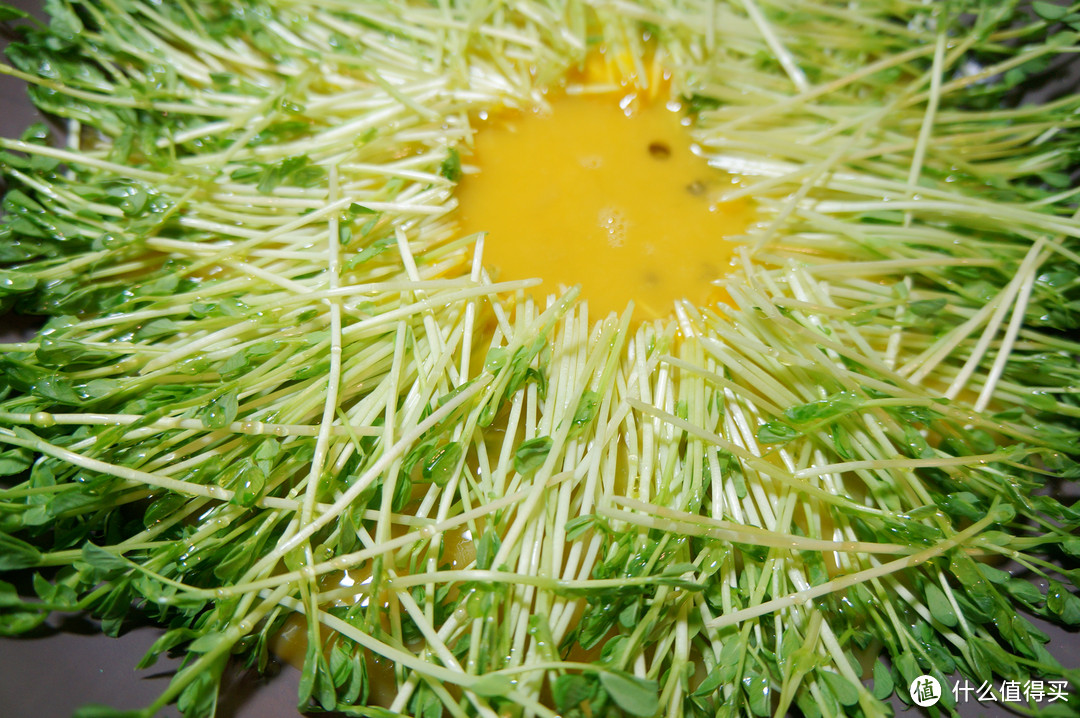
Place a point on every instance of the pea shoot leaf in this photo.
(636, 696)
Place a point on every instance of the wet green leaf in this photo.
(570, 690)
(491, 685)
(939, 606)
(531, 454)
(636, 696)
(101, 559)
(221, 411)
(1049, 11)
(883, 682)
(442, 463)
(773, 432)
(16, 553)
(841, 687)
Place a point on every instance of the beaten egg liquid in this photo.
(602, 190)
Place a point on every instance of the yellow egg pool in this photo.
(603, 190)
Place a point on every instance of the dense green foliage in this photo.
(272, 378)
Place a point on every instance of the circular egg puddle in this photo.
(602, 188)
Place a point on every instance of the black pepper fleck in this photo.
(659, 150)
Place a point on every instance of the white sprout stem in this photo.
(844, 582)
(391, 454)
(1019, 309)
(927, 128)
(794, 72)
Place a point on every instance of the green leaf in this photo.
(425, 703)
(578, 525)
(224, 307)
(883, 682)
(356, 690)
(696, 104)
(451, 166)
(163, 508)
(15, 461)
(816, 570)
(206, 642)
(419, 453)
(916, 443)
(679, 569)
(939, 606)
(296, 171)
(496, 359)
(15, 282)
(166, 642)
(841, 441)
(96, 389)
(1000, 514)
(908, 667)
(239, 363)
(16, 553)
(58, 389)
(442, 463)
(199, 698)
(246, 480)
(220, 412)
(926, 307)
(375, 248)
(1050, 11)
(963, 504)
(841, 687)
(586, 412)
(156, 328)
(571, 690)
(520, 371)
(8, 13)
(636, 696)
(486, 549)
(808, 705)
(1071, 546)
(402, 493)
(1024, 591)
(114, 606)
(9, 596)
(773, 432)
(990, 658)
(102, 559)
(822, 409)
(491, 685)
(993, 575)
(711, 684)
(728, 663)
(758, 693)
(530, 455)
(340, 663)
(14, 623)
(1063, 603)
